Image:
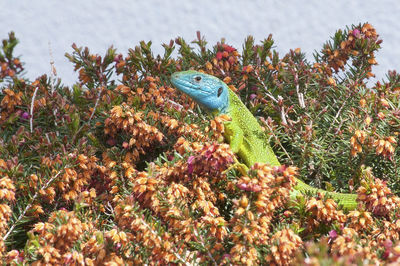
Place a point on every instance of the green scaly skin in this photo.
(243, 132)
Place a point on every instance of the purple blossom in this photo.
(226, 256)
(117, 246)
(243, 186)
(333, 234)
(25, 115)
(388, 243)
(356, 33)
(209, 152)
(190, 164)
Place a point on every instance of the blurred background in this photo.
(42, 26)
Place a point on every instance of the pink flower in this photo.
(356, 33)
(243, 186)
(228, 48)
(332, 235)
(125, 145)
(117, 246)
(387, 243)
(255, 188)
(25, 115)
(190, 164)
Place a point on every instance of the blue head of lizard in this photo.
(208, 91)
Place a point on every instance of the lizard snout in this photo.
(175, 75)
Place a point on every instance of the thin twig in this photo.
(277, 139)
(265, 88)
(221, 70)
(47, 137)
(299, 94)
(109, 208)
(283, 115)
(31, 112)
(95, 105)
(53, 76)
(91, 115)
(277, 101)
(337, 114)
(208, 251)
(181, 107)
(30, 205)
(53, 72)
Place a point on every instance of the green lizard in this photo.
(243, 133)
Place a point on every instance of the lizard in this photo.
(243, 132)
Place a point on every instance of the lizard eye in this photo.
(197, 78)
(219, 91)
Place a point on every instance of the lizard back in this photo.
(255, 147)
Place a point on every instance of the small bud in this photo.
(125, 145)
(368, 120)
(287, 214)
(244, 202)
(391, 139)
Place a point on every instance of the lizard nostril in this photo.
(175, 75)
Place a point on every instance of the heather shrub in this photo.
(122, 168)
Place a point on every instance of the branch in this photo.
(265, 88)
(53, 72)
(30, 205)
(337, 114)
(202, 242)
(91, 115)
(95, 105)
(299, 94)
(277, 101)
(181, 107)
(31, 112)
(277, 139)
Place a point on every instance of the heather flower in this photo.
(332, 235)
(285, 244)
(356, 33)
(190, 164)
(25, 115)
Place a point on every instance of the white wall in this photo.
(98, 24)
